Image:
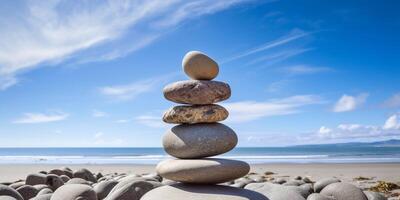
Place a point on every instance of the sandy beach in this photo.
(381, 171)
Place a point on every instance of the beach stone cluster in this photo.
(199, 136)
(82, 184)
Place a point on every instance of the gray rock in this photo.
(35, 179)
(27, 191)
(78, 181)
(132, 190)
(57, 172)
(153, 176)
(195, 114)
(297, 178)
(7, 198)
(201, 192)
(45, 191)
(199, 66)
(294, 183)
(317, 196)
(42, 197)
(17, 184)
(197, 92)
(244, 180)
(207, 170)
(8, 191)
(102, 189)
(65, 178)
(276, 191)
(54, 181)
(307, 180)
(374, 195)
(68, 172)
(343, 191)
(199, 140)
(85, 174)
(279, 181)
(320, 184)
(238, 185)
(74, 192)
(40, 186)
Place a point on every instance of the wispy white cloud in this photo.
(393, 101)
(273, 58)
(132, 90)
(150, 121)
(392, 122)
(34, 118)
(244, 111)
(294, 35)
(305, 69)
(98, 113)
(49, 32)
(348, 103)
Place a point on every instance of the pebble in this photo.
(42, 197)
(374, 195)
(102, 189)
(27, 191)
(201, 192)
(201, 171)
(197, 92)
(74, 192)
(35, 179)
(199, 66)
(133, 190)
(276, 191)
(54, 181)
(7, 198)
(343, 191)
(45, 191)
(85, 174)
(195, 114)
(317, 196)
(199, 140)
(320, 184)
(78, 181)
(57, 172)
(8, 191)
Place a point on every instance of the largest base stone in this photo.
(201, 192)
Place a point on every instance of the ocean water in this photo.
(154, 155)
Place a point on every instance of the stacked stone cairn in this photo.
(198, 137)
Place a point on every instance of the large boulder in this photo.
(343, 191)
(199, 140)
(197, 92)
(74, 192)
(201, 192)
(202, 171)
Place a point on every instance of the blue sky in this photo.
(91, 73)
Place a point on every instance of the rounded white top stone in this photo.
(199, 66)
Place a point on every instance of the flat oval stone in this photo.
(195, 114)
(199, 66)
(201, 192)
(197, 92)
(202, 171)
(74, 192)
(199, 140)
(343, 191)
